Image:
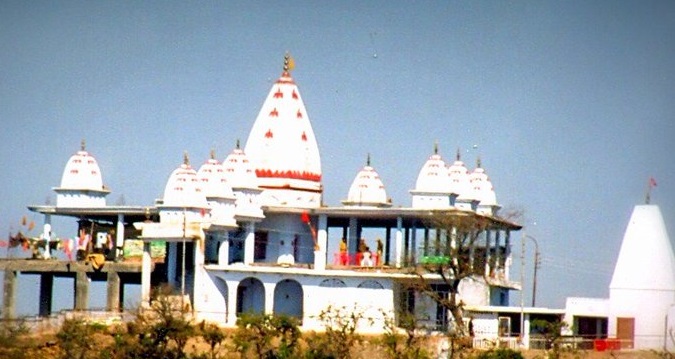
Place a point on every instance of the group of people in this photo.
(364, 256)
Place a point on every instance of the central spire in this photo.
(282, 146)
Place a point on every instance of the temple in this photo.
(251, 233)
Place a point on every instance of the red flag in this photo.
(3, 243)
(304, 217)
(652, 182)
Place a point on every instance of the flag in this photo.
(305, 217)
(652, 182)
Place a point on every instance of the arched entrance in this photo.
(288, 298)
(221, 303)
(250, 296)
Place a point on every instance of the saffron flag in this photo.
(652, 182)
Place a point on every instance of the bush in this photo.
(501, 353)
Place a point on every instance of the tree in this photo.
(460, 252)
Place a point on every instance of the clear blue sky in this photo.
(570, 103)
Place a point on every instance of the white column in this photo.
(322, 242)
(119, 236)
(231, 304)
(224, 249)
(146, 268)
(249, 243)
(399, 243)
(269, 297)
(47, 234)
(198, 285)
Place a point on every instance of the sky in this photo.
(569, 104)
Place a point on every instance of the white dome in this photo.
(434, 176)
(367, 190)
(482, 187)
(82, 173)
(459, 179)
(239, 171)
(281, 145)
(183, 189)
(214, 180)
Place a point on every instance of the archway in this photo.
(288, 298)
(250, 296)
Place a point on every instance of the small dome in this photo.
(482, 187)
(214, 180)
(367, 189)
(239, 170)
(183, 189)
(459, 179)
(434, 175)
(82, 173)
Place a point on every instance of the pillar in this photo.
(47, 235)
(113, 292)
(9, 294)
(488, 243)
(322, 242)
(353, 237)
(119, 236)
(232, 287)
(413, 245)
(46, 289)
(398, 257)
(146, 269)
(172, 264)
(81, 290)
(224, 250)
(498, 253)
(387, 246)
(269, 297)
(249, 243)
(198, 283)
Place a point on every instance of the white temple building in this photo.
(251, 233)
(640, 310)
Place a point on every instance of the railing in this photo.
(356, 259)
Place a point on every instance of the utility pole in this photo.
(536, 266)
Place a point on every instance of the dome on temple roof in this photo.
(183, 189)
(82, 173)
(239, 170)
(282, 147)
(214, 180)
(459, 179)
(367, 189)
(482, 187)
(434, 176)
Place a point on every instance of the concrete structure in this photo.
(638, 312)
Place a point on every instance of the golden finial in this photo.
(289, 63)
(237, 145)
(478, 163)
(436, 147)
(213, 154)
(459, 154)
(186, 159)
(83, 145)
(368, 159)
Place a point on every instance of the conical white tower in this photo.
(283, 149)
(643, 285)
(82, 182)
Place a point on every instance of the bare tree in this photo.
(461, 251)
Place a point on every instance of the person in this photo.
(362, 245)
(343, 251)
(366, 260)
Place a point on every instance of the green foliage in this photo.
(500, 353)
(13, 341)
(405, 344)
(213, 336)
(267, 336)
(551, 332)
(340, 335)
(75, 339)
